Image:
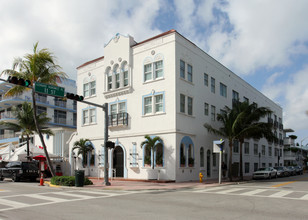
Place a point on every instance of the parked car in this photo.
(281, 171)
(18, 170)
(291, 170)
(265, 173)
(299, 170)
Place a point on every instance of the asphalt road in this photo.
(282, 198)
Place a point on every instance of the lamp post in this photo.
(302, 150)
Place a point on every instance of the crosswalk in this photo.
(257, 192)
(18, 201)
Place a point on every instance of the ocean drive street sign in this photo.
(49, 89)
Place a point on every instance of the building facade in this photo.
(63, 116)
(164, 86)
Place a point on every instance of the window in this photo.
(213, 112)
(201, 157)
(92, 115)
(117, 80)
(182, 156)
(148, 72)
(109, 81)
(89, 88)
(235, 146)
(246, 148)
(189, 73)
(206, 109)
(182, 69)
(190, 105)
(148, 105)
(206, 79)
(158, 154)
(223, 90)
(263, 150)
(235, 96)
(153, 104)
(40, 110)
(270, 151)
(147, 156)
(270, 164)
(60, 117)
(191, 160)
(158, 68)
(212, 85)
(153, 71)
(263, 165)
(74, 119)
(247, 167)
(255, 149)
(125, 78)
(89, 116)
(182, 103)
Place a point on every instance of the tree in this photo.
(83, 146)
(37, 67)
(25, 122)
(151, 143)
(249, 125)
(229, 120)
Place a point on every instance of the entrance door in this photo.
(118, 161)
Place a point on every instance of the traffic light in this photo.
(110, 144)
(19, 81)
(74, 96)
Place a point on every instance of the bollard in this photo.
(200, 177)
(41, 180)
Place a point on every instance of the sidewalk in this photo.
(128, 184)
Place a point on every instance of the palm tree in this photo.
(250, 125)
(229, 119)
(37, 67)
(83, 147)
(25, 122)
(151, 143)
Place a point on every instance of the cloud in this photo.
(75, 30)
(294, 93)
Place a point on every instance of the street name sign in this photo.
(49, 89)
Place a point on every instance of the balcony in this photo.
(289, 141)
(60, 103)
(275, 124)
(119, 119)
(270, 120)
(5, 115)
(60, 121)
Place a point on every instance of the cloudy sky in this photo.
(264, 42)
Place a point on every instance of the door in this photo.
(118, 161)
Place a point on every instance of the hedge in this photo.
(68, 181)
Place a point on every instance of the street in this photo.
(282, 198)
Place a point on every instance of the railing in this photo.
(118, 119)
(10, 135)
(6, 115)
(60, 103)
(60, 121)
(40, 98)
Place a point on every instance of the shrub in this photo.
(67, 181)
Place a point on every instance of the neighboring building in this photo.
(168, 87)
(63, 116)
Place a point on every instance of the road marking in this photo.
(74, 195)
(13, 203)
(209, 189)
(229, 190)
(48, 198)
(305, 197)
(280, 194)
(283, 184)
(253, 192)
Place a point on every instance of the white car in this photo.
(265, 173)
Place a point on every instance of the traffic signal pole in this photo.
(27, 83)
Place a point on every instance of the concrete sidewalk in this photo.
(128, 184)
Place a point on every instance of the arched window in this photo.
(201, 157)
(182, 156)
(125, 74)
(159, 155)
(116, 71)
(92, 157)
(109, 78)
(187, 157)
(208, 163)
(147, 156)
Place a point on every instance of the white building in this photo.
(168, 87)
(63, 116)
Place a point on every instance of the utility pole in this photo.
(106, 179)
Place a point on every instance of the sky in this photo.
(264, 42)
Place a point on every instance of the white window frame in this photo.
(223, 90)
(153, 103)
(89, 116)
(152, 72)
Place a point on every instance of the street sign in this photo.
(218, 146)
(49, 89)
